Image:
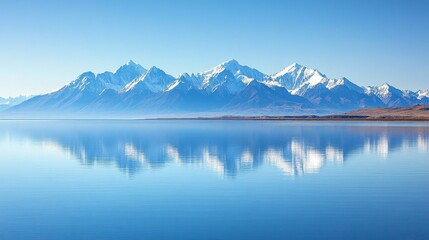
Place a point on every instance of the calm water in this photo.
(213, 180)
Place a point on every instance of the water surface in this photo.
(213, 180)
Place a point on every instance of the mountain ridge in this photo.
(228, 88)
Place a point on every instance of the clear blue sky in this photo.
(45, 44)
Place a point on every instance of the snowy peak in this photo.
(296, 76)
(215, 79)
(184, 82)
(289, 69)
(129, 65)
(154, 80)
(297, 69)
(130, 70)
(393, 97)
(155, 70)
(85, 81)
(192, 80)
(383, 91)
(229, 77)
(385, 87)
(97, 83)
(389, 88)
(422, 93)
(231, 63)
(333, 83)
(241, 72)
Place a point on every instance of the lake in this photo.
(117, 179)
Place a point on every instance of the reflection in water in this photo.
(225, 146)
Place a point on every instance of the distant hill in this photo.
(412, 112)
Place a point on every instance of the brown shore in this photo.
(412, 113)
(300, 118)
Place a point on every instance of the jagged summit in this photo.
(289, 68)
(294, 67)
(130, 65)
(297, 78)
(385, 86)
(423, 94)
(155, 70)
(155, 80)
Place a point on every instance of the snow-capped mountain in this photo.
(127, 72)
(154, 80)
(393, 97)
(229, 76)
(97, 83)
(241, 72)
(423, 96)
(296, 77)
(228, 88)
(320, 90)
(81, 92)
(189, 80)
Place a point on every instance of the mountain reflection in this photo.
(228, 147)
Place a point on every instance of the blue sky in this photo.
(45, 44)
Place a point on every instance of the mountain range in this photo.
(227, 89)
(6, 103)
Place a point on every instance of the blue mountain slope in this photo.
(340, 98)
(258, 95)
(183, 96)
(82, 92)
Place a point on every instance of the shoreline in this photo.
(242, 118)
(303, 118)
